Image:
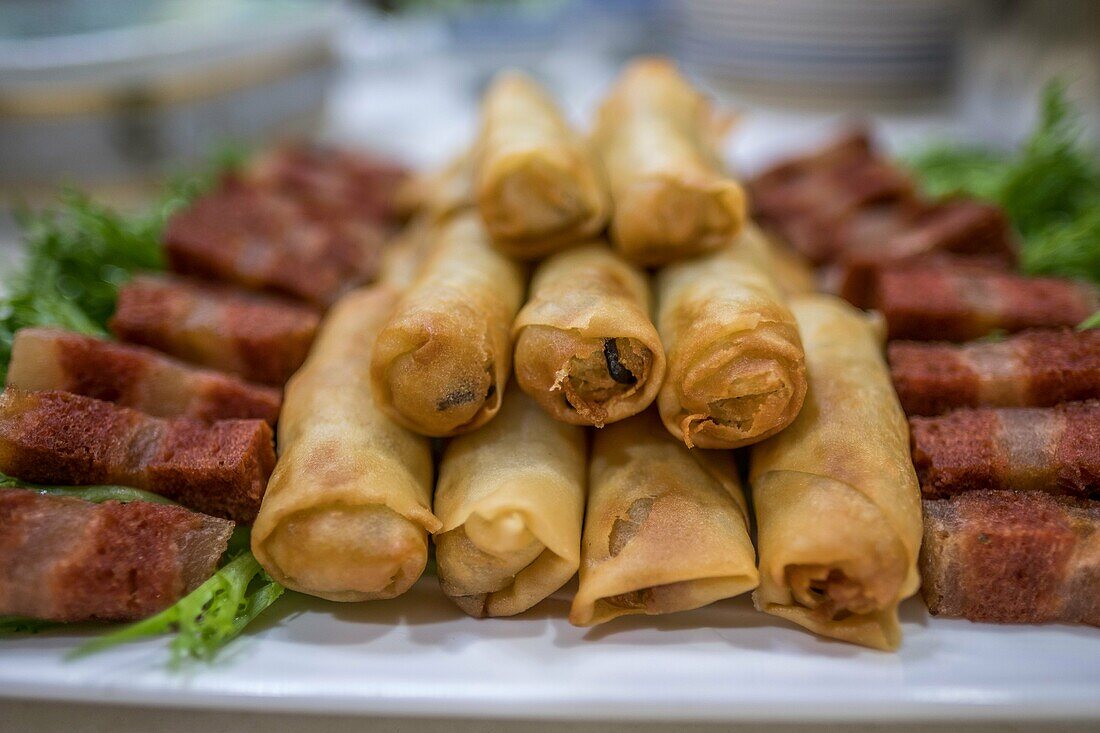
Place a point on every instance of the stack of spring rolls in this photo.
(610, 455)
(1005, 430)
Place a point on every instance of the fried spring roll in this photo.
(65, 559)
(442, 360)
(45, 359)
(538, 185)
(347, 513)
(265, 241)
(586, 349)
(837, 502)
(511, 500)
(438, 195)
(958, 304)
(1002, 557)
(1035, 368)
(666, 528)
(408, 251)
(218, 468)
(736, 372)
(259, 338)
(1052, 449)
(792, 272)
(659, 141)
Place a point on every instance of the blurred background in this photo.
(112, 92)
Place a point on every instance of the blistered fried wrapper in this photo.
(666, 528)
(659, 140)
(437, 195)
(537, 183)
(511, 499)
(348, 509)
(586, 349)
(441, 362)
(837, 503)
(736, 371)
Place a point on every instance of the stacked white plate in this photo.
(822, 46)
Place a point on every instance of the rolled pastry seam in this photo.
(586, 349)
(441, 362)
(837, 502)
(659, 141)
(736, 370)
(666, 528)
(348, 508)
(511, 500)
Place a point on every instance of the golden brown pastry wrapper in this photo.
(347, 512)
(736, 372)
(586, 349)
(837, 502)
(666, 528)
(441, 363)
(407, 252)
(439, 194)
(511, 499)
(537, 184)
(792, 272)
(658, 139)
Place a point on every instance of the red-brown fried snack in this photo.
(65, 559)
(874, 237)
(959, 303)
(1047, 449)
(1036, 368)
(218, 468)
(264, 240)
(133, 376)
(331, 182)
(1009, 558)
(259, 338)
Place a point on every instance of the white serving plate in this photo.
(419, 656)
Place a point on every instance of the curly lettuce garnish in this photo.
(206, 619)
(1050, 188)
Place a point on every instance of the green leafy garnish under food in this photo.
(94, 494)
(207, 618)
(78, 252)
(1092, 321)
(77, 255)
(1049, 187)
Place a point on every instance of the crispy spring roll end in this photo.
(594, 373)
(470, 567)
(483, 556)
(831, 592)
(534, 191)
(348, 553)
(853, 597)
(442, 378)
(703, 217)
(755, 392)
